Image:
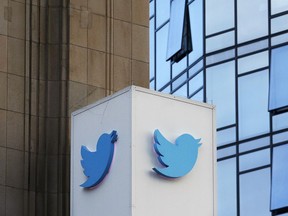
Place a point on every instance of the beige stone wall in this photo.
(109, 48)
(56, 56)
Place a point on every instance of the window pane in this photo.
(252, 19)
(176, 25)
(253, 100)
(226, 136)
(198, 96)
(162, 12)
(253, 62)
(278, 96)
(195, 83)
(182, 92)
(178, 67)
(255, 159)
(279, 192)
(151, 8)
(226, 152)
(278, 6)
(220, 41)
(280, 121)
(227, 187)
(196, 23)
(279, 24)
(221, 92)
(180, 80)
(255, 193)
(281, 137)
(283, 38)
(253, 47)
(218, 16)
(152, 47)
(254, 144)
(220, 57)
(162, 66)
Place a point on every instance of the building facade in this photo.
(55, 57)
(238, 62)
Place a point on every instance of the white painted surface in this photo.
(131, 188)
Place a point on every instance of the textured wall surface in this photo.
(56, 56)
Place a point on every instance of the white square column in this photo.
(131, 187)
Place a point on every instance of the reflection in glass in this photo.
(221, 92)
(162, 66)
(252, 19)
(220, 41)
(219, 15)
(280, 121)
(279, 190)
(162, 12)
(253, 100)
(279, 24)
(226, 55)
(253, 62)
(255, 193)
(182, 92)
(226, 136)
(196, 22)
(259, 45)
(283, 38)
(280, 137)
(278, 96)
(195, 83)
(258, 143)
(278, 6)
(226, 152)
(254, 160)
(227, 187)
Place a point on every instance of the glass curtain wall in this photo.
(239, 64)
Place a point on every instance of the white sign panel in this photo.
(143, 153)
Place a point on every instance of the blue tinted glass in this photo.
(259, 45)
(220, 41)
(253, 100)
(279, 192)
(255, 159)
(226, 136)
(176, 25)
(227, 187)
(196, 22)
(162, 12)
(255, 193)
(280, 121)
(281, 137)
(254, 144)
(199, 96)
(226, 152)
(195, 83)
(179, 81)
(182, 92)
(162, 66)
(252, 19)
(278, 96)
(226, 55)
(152, 47)
(279, 24)
(253, 62)
(178, 67)
(221, 92)
(219, 15)
(279, 6)
(152, 85)
(151, 8)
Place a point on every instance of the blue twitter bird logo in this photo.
(178, 159)
(96, 164)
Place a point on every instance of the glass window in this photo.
(162, 66)
(162, 12)
(226, 55)
(279, 190)
(176, 28)
(283, 38)
(259, 45)
(278, 96)
(226, 152)
(280, 137)
(278, 6)
(226, 136)
(198, 97)
(195, 83)
(219, 15)
(227, 187)
(182, 92)
(221, 92)
(255, 193)
(152, 47)
(279, 24)
(253, 100)
(253, 62)
(179, 81)
(196, 23)
(252, 19)
(179, 67)
(254, 160)
(220, 41)
(196, 68)
(280, 121)
(254, 144)
(151, 9)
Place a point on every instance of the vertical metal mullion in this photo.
(204, 52)
(155, 45)
(237, 110)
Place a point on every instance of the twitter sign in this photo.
(140, 152)
(179, 158)
(96, 164)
